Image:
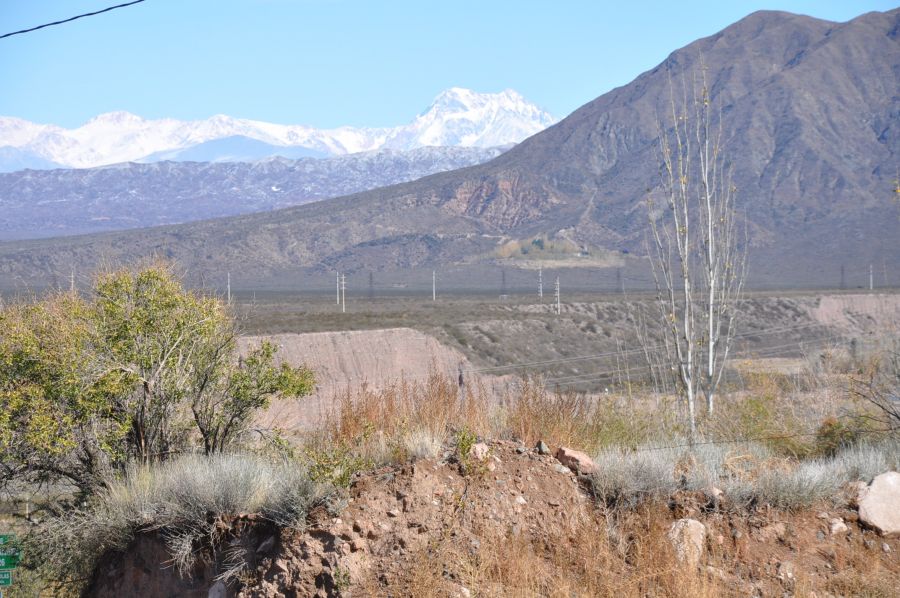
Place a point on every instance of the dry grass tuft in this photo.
(581, 421)
(578, 560)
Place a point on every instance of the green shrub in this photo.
(335, 465)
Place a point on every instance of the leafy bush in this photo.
(88, 384)
(765, 418)
(335, 464)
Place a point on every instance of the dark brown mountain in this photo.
(812, 115)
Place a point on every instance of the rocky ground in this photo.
(507, 520)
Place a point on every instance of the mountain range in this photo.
(456, 118)
(811, 116)
(49, 203)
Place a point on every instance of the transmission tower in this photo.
(541, 284)
(557, 296)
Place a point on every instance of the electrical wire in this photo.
(70, 19)
(770, 352)
(748, 439)
(625, 352)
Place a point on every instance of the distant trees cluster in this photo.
(137, 370)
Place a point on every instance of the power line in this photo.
(748, 439)
(628, 351)
(69, 20)
(770, 352)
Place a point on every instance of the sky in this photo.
(327, 63)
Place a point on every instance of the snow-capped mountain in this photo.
(457, 117)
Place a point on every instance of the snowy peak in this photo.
(120, 118)
(462, 117)
(457, 117)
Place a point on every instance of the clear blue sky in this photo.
(332, 62)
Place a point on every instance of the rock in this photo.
(521, 450)
(838, 526)
(559, 468)
(520, 500)
(820, 535)
(886, 547)
(879, 506)
(266, 545)
(575, 460)
(855, 492)
(280, 566)
(716, 572)
(773, 531)
(714, 494)
(463, 592)
(480, 451)
(218, 590)
(393, 513)
(542, 448)
(786, 571)
(688, 537)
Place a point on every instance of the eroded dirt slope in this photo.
(347, 359)
(519, 523)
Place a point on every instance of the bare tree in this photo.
(880, 385)
(698, 257)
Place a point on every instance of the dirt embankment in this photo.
(520, 523)
(857, 313)
(345, 360)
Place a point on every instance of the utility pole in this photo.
(72, 281)
(541, 284)
(843, 278)
(433, 286)
(228, 287)
(871, 279)
(557, 296)
(371, 286)
(343, 294)
(337, 286)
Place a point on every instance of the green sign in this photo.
(9, 555)
(5, 578)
